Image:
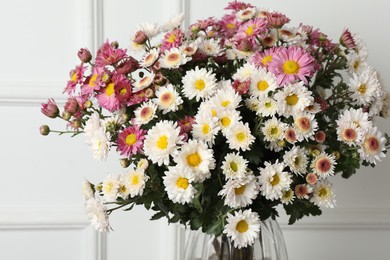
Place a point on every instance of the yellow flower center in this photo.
(274, 131)
(109, 187)
(123, 91)
(262, 85)
(213, 112)
(266, 59)
(362, 89)
(110, 89)
(242, 226)
(172, 38)
(205, 129)
(74, 77)
(92, 81)
(275, 179)
(182, 183)
(240, 190)
(194, 159)
(241, 136)
(162, 142)
(230, 26)
(323, 192)
(225, 103)
(292, 100)
(249, 30)
(200, 84)
(135, 180)
(225, 121)
(131, 139)
(290, 67)
(268, 104)
(234, 166)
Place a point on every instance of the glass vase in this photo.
(269, 246)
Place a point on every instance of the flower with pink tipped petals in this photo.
(251, 29)
(276, 19)
(130, 141)
(186, 124)
(50, 109)
(292, 64)
(95, 81)
(109, 54)
(229, 25)
(237, 6)
(241, 87)
(71, 105)
(76, 77)
(264, 58)
(139, 97)
(346, 39)
(172, 39)
(109, 98)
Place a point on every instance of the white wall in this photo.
(41, 211)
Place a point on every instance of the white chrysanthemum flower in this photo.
(211, 47)
(273, 129)
(227, 119)
(364, 86)
(173, 22)
(142, 164)
(240, 137)
(276, 146)
(150, 57)
(287, 197)
(136, 47)
(245, 72)
(97, 214)
(234, 166)
(243, 227)
(267, 106)
(88, 191)
(189, 48)
(143, 83)
(100, 144)
(296, 160)
(273, 180)
(92, 125)
(207, 107)
(145, 113)
(357, 116)
(178, 184)
(195, 156)
(226, 99)
(294, 98)
(361, 46)
(199, 84)
(262, 82)
(356, 62)
(110, 188)
(240, 192)
(323, 195)
(373, 146)
(323, 165)
(162, 141)
(305, 125)
(173, 59)
(113, 122)
(252, 104)
(168, 99)
(150, 29)
(246, 14)
(205, 127)
(349, 133)
(133, 183)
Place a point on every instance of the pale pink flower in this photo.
(109, 54)
(276, 19)
(346, 39)
(237, 6)
(263, 58)
(172, 39)
(130, 141)
(251, 30)
(95, 81)
(50, 109)
(76, 77)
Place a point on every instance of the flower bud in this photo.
(76, 124)
(124, 162)
(84, 55)
(336, 155)
(127, 66)
(320, 136)
(149, 93)
(50, 109)
(44, 130)
(115, 44)
(346, 39)
(140, 37)
(88, 104)
(66, 115)
(143, 164)
(71, 105)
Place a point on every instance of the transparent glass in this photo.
(269, 246)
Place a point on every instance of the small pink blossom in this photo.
(262, 59)
(346, 39)
(229, 25)
(251, 30)
(237, 6)
(84, 55)
(50, 109)
(276, 19)
(71, 105)
(109, 54)
(127, 65)
(95, 81)
(186, 124)
(76, 77)
(172, 39)
(241, 87)
(130, 141)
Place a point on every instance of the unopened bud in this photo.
(124, 162)
(66, 115)
(149, 93)
(76, 124)
(315, 152)
(140, 37)
(84, 55)
(115, 44)
(44, 129)
(336, 155)
(71, 106)
(50, 109)
(88, 104)
(143, 164)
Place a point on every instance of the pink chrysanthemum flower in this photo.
(76, 77)
(186, 124)
(347, 40)
(251, 30)
(139, 97)
(117, 90)
(229, 25)
(95, 81)
(237, 6)
(108, 55)
(291, 64)
(264, 58)
(276, 19)
(172, 39)
(130, 141)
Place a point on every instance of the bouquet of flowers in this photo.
(219, 124)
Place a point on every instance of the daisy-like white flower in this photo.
(356, 62)
(142, 164)
(196, 157)
(323, 165)
(356, 116)
(167, 99)
(234, 166)
(246, 14)
(114, 122)
(243, 227)
(364, 86)
(273, 180)
(349, 133)
(240, 192)
(262, 83)
(287, 197)
(133, 183)
(296, 160)
(305, 125)
(291, 64)
(189, 49)
(178, 184)
(145, 113)
(245, 72)
(294, 98)
(110, 188)
(211, 47)
(302, 191)
(373, 146)
(130, 141)
(97, 214)
(173, 59)
(143, 83)
(267, 106)
(323, 195)
(226, 99)
(100, 144)
(150, 29)
(88, 190)
(205, 127)
(207, 107)
(161, 141)
(273, 129)
(252, 103)
(173, 23)
(276, 146)
(240, 137)
(199, 84)
(92, 125)
(150, 57)
(227, 119)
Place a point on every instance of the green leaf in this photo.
(158, 215)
